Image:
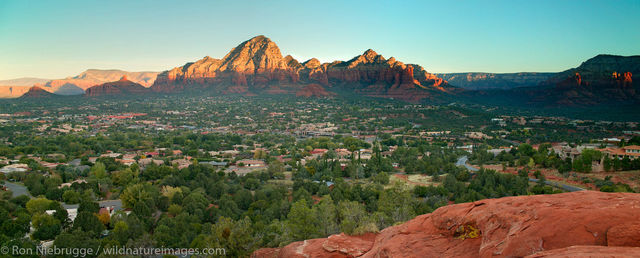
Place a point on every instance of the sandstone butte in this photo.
(36, 92)
(257, 65)
(121, 87)
(584, 223)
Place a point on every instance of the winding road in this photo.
(462, 161)
(17, 189)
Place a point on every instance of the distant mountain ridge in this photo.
(93, 77)
(25, 81)
(480, 81)
(257, 66)
(75, 85)
(604, 80)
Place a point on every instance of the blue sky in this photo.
(56, 39)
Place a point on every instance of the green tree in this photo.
(38, 205)
(88, 222)
(77, 239)
(98, 171)
(47, 227)
(302, 221)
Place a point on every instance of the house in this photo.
(631, 151)
(215, 163)
(79, 181)
(129, 156)
(126, 162)
(318, 151)
(365, 154)
(181, 163)
(49, 164)
(14, 168)
(342, 153)
(467, 148)
(251, 163)
(148, 161)
(111, 155)
(495, 152)
(565, 151)
(283, 158)
(151, 154)
(71, 213)
(477, 135)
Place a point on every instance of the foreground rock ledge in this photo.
(594, 222)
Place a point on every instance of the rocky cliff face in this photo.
(93, 77)
(584, 222)
(480, 81)
(121, 87)
(257, 65)
(13, 91)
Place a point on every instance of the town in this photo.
(111, 172)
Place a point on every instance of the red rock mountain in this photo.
(257, 65)
(601, 79)
(121, 87)
(37, 92)
(560, 225)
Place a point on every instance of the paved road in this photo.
(462, 161)
(17, 189)
(568, 188)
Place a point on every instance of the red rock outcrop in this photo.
(505, 227)
(258, 65)
(589, 251)
(120, 87)
(628, 78)
(37, 92)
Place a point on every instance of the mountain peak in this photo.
(258, 53)
(124, 78)
(368, 57)
(260, 38)
(312, 63)
(370, 53)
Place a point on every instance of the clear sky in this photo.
(56, 39)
